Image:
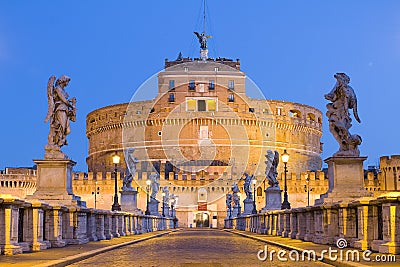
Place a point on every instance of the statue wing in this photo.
(50, 97)
(276, 159)
(355, 111)
(198, 35)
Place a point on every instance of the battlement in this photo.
(226, 61)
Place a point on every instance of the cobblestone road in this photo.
(194, 247)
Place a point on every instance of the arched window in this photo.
(310, 117)
(259, 191)
(294, 113)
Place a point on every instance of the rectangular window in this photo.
(192, 86)
(201, 105)
(212, 105)
(171, 84)
(201, 88)
(171, 97)
(211, 85)
(251, 110)
(231, 84)
(203, 135)
(191, 105)
(231, 98)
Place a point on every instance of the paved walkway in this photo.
(300, 246)
(73, 253)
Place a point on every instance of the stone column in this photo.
(9, 225)
(310, 225)
(108, 225)
(286, 224)
(348, 223)
(37, 226)
(115, 227)
(91, 225)
(365, 227)
(121, 224)
(281, 224)
(54, 226)
(293, 224)
(301, 223)
(100, 229)
(391, 232)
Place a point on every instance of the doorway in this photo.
(202, 220)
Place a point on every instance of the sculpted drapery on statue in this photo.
(131, 162)
(61, 111)
(247, 186)
(343, 98)
(155, 185)
(272, 161)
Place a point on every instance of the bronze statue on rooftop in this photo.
(202, 39)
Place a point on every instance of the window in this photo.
(201, 105)
(295, 113)
(212, 105)
(231, 84)
(211, 85)
(278, 111)
(171, 97)
(216, 69)
(231, 98)
(310, 117)
(171, 84)
(192, 86)
(191, 105)
(251, 110)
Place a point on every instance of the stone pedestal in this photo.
(54, 183)
(346, 180)
(153, 206)
(273, 199)
(236, 211)
(129, 201)
(248, 207)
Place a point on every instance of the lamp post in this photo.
(95, 193)
(307, 189)
(148, 183)
(254, 181)
(163, 203)
(115, 205)
(285, 159)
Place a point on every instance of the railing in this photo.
(32, 226)
(365, 224)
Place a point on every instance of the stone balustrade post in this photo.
(391, 232)
(121, 224)
(347, 223)
(100, 229)
(280, 224)
(115, 227)
(286, 224)
(37, 226)
(310, 225)
(54, 228)
(9, 213)
(91, 225)
(365, 226)
(301, 223)
(108, 225)
(293, 223)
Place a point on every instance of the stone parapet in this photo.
(369, 223)
(27, 226)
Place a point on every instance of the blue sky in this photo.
(290, 49)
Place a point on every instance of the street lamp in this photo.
(163, 203)
(307, 189)
(285, 159)
(254, 181)
(95, 193)
(148, 183)
(115, 205)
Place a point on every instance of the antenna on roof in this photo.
(203, 37)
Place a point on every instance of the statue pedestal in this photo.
(54, 182)
(346, 180)
(273, 199)
(153, 207)
(236, 211)
(129, 201)
(248, 207)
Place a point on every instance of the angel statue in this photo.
(272, 162)
(166, 197)
(202, 39)
(61, 110)
(247, 186)
(343, 98)
(236, 198)
(131, 162)
(155, 185)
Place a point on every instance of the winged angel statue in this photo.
(202, 39)
(61, 110)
